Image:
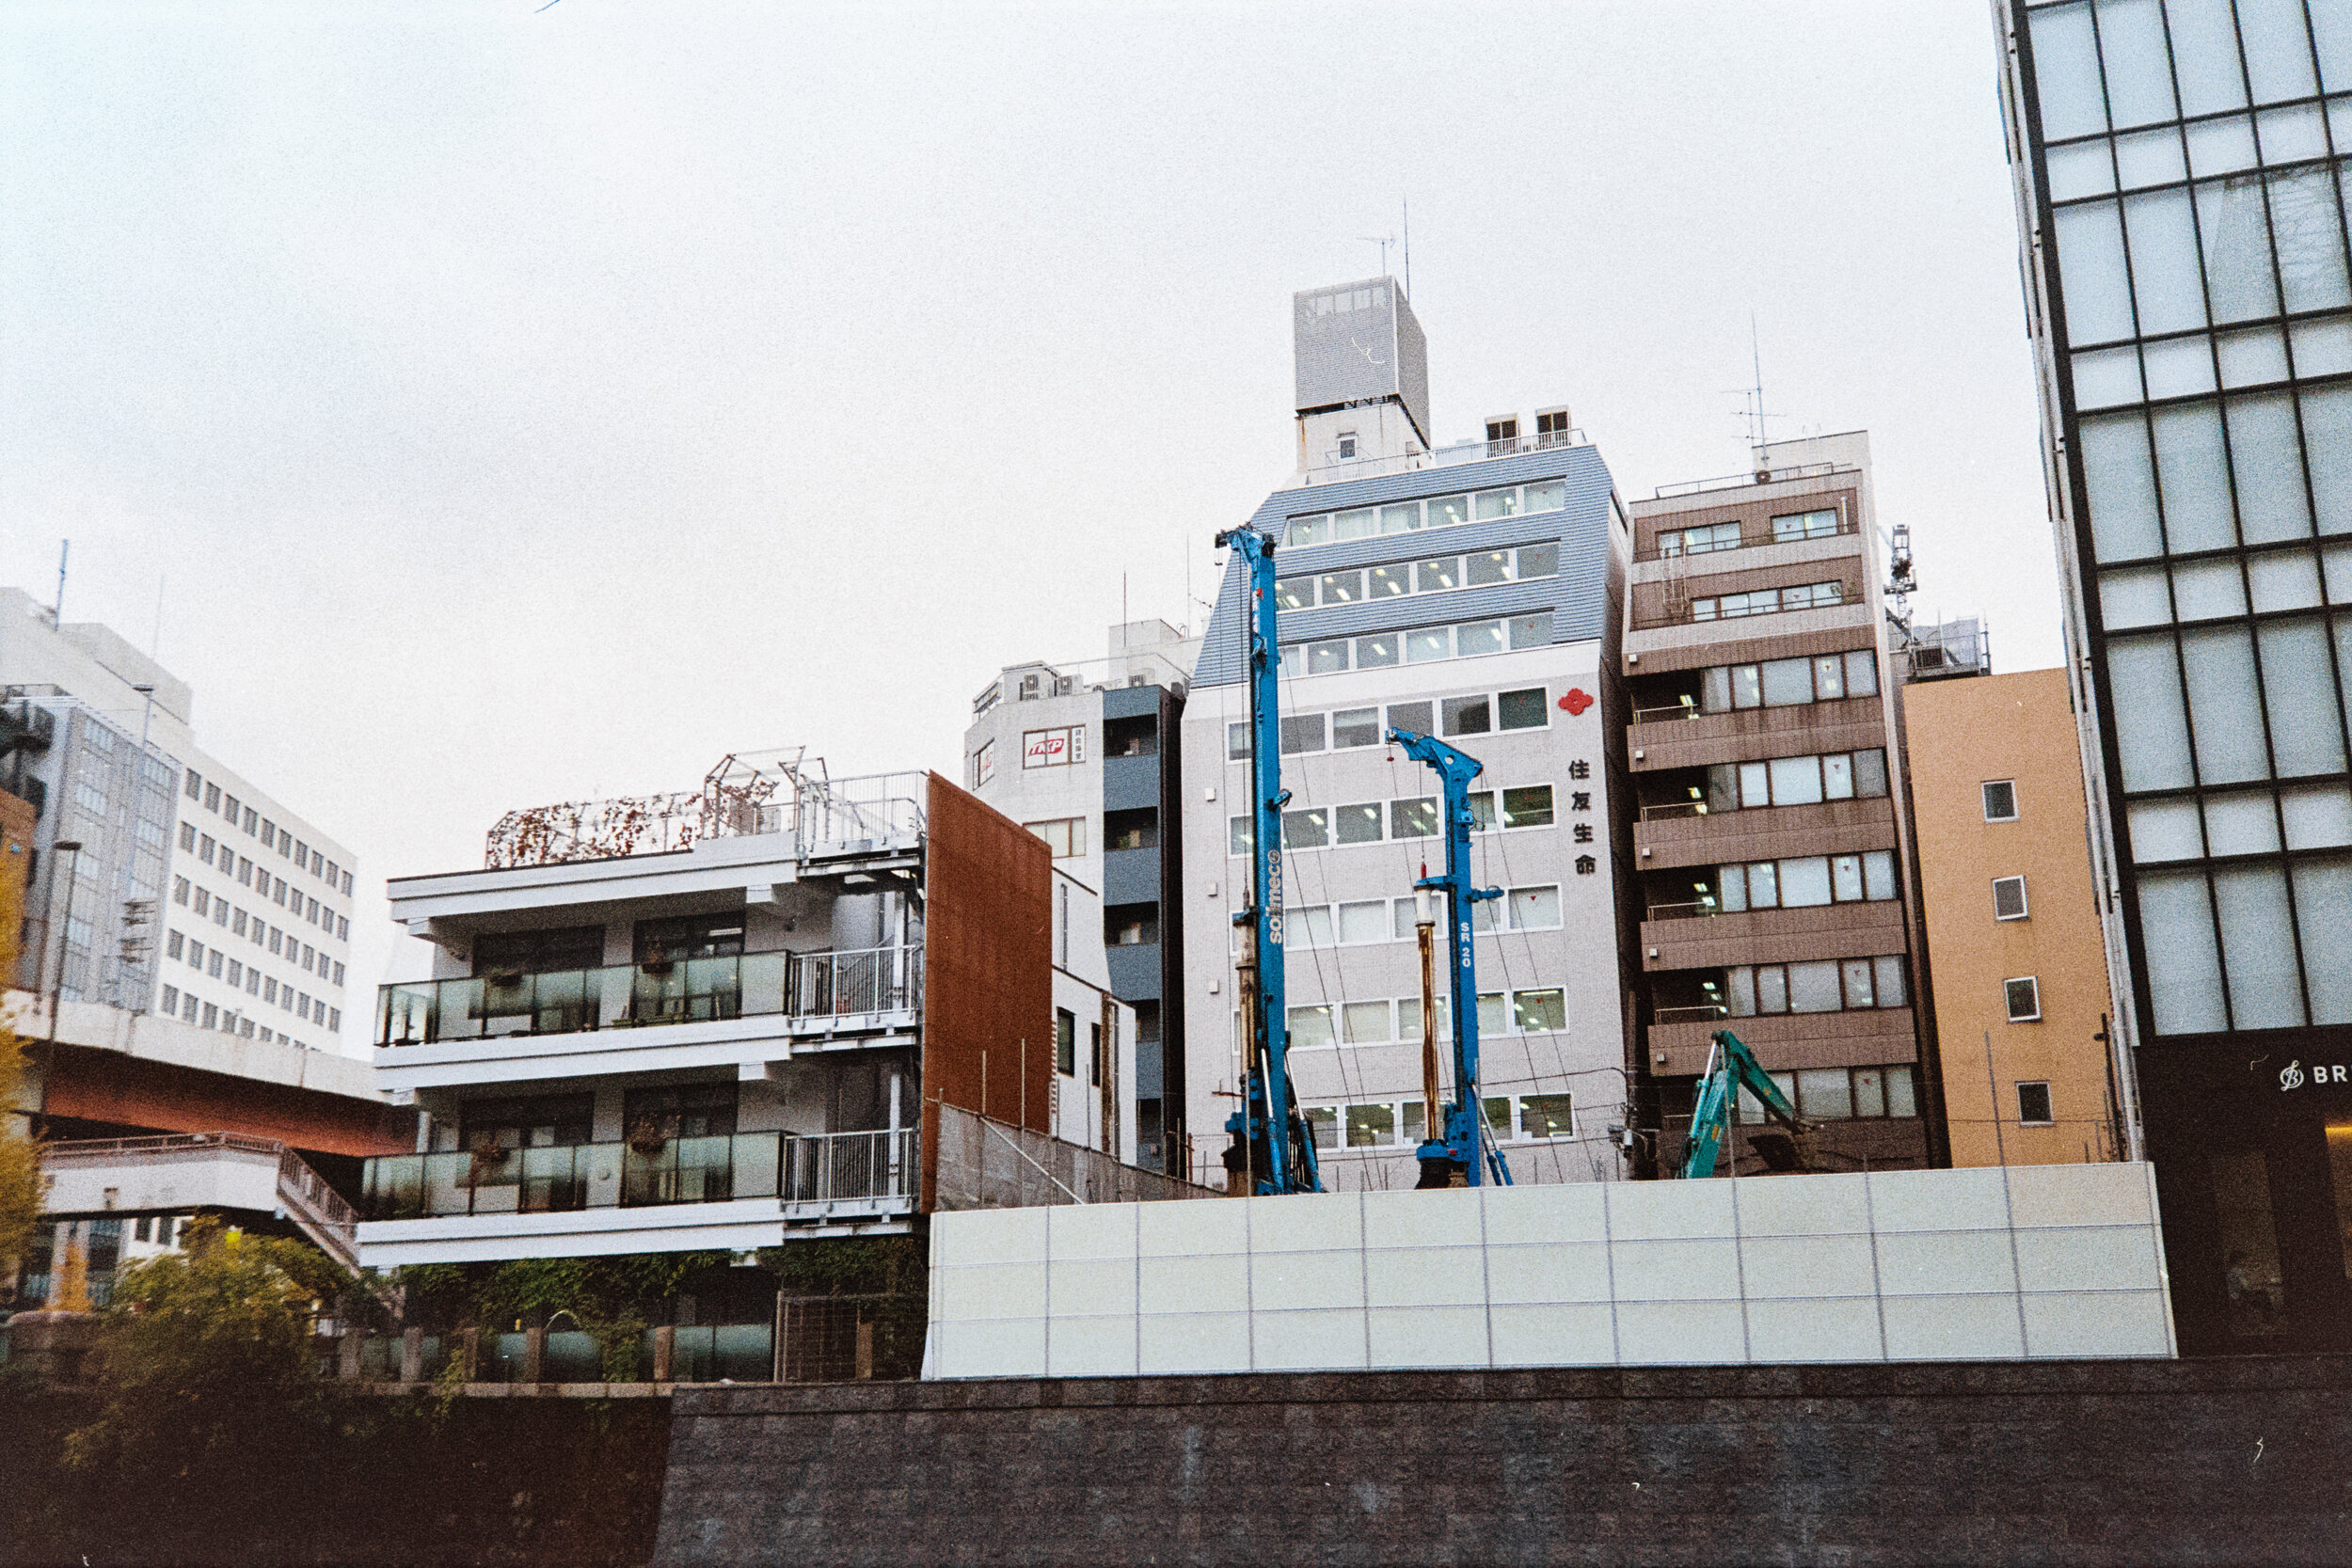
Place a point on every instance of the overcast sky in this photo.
(517, 406)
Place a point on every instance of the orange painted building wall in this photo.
(1964, 734)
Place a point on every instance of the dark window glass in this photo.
(1521, 710)
(539, 952)
(691, 936)
(679, 1111)
(1468, 716)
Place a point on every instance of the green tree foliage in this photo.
(204, 1357)
(20, 1156)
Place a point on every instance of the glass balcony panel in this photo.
(549, 1181)
(762, 982)
(756, 1163)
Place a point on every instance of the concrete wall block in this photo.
(1798, 1329)
(986, 1291)
(1425, 1277)
(1194, 1342)
(2086, 1257)
(1192, 1227)
(1092, 1287)
(1409, 1218)
(1952, 1328)
(1210, 1283)
(1008, 1347)
(1780, 1266)
(1817, 1206)
(2071, 1324)
(1677, 1271)
(1313, 1340)
(990, 1236)
(1665, 1332)
(1949, 1263)
(1091, 1347)
(1429, 1337)
(1580, 1334)
(1306, 1222)
(2081, 1194)
(1282, 1282)
(1653, 1211)
(1537, 1214)
(1093, 1230)
(1553, 1272)
(1937, 1200)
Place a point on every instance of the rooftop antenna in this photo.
(1751, 410)
(56, 611)
(1409, 247)
(1383, 241)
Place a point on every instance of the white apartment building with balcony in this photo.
(721, 1020)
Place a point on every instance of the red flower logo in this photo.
(1577, 701)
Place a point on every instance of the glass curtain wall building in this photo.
(2182, 206)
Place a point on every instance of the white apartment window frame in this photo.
(2049, 1103)
(2023, 910)
(1056, 746)
(1066, 836)
(1985, 793)
(2030, 998)
(1420, 514)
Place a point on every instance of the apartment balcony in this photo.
(1685, 833)
(1678, 1038)
(1698, 936)
(690, 1012)
(1135, 971)
(731, 1192)
(1663, 738)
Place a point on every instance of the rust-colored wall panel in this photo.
(987, 969)
(103, 1086)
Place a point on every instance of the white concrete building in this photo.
(1472, 593)
(196, 892)
(719, 1020)
(1083, 756)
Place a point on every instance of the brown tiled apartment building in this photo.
(1772, 845)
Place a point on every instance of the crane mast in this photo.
(1459, 1143)
(1273, 1148)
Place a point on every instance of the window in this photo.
(245, 872)
(1466, 716)
(1547, 1115)
(179, 890)
(1354, 727)
(2000, 800)
(1539, 1011)
(231, 808)
(2033, 1105)
(1699, 541)
(194, 784)
(339, 974)
(172, 944)
(1527, 807)
(1805, 525)
(203, 902)
(1054, 748)
(1370, 1126)
(1413, 818)
(2024, 999)
(1302, 733)
(1535, 908)
(1522, 710)
(1065, 1042)
(187, 835)
(1781, 683)
(1307, 829)
(212, 797)
(2009, 898)
(1310, 1028)
(984, 764)
(1065, 835)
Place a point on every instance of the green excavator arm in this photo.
(1731, 1066)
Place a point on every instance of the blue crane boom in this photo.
(1730, 1064)
(1273, 1146)
(1459, 1138)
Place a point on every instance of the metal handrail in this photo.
(1674, 809)
(822, 1167)
(1755, 477)
(1666, 715)
(680, 991)
(1342, 469)
(1703, 1013)
(1680, 912)
(92, 1148)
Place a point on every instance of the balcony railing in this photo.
(620, 996)
(1681, 911)
(1665, 715)
(1707, 1012)
(825, 1168)
(1673, 809)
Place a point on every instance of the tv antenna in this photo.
(1383, 241)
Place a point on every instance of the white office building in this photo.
(1466, 592)
(194, 891)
